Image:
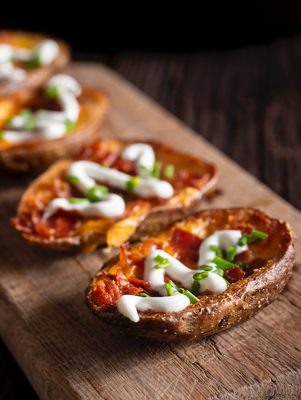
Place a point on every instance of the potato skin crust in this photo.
(212, 314)
(40, 75)
(157, 219)
(36, 158)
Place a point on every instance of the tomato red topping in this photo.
(234, 274)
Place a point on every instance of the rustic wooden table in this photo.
(246, 102)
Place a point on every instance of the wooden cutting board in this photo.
(66, 353)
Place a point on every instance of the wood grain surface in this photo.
(67, 354)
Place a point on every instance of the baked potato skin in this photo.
(37, 157)
(155, 220)
(212, 314)
(39, 76)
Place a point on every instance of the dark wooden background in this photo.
(246, 102)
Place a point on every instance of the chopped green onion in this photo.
(97, 192)
(217, 251)
(1, 135)
(72, 179)
(30, 123)
(220, 261)
(203, 266)
(173, 285)
(181, 290)
(75, 200)
(104, 165)
(191, 297)
(260, 234)
(156, 171)
(208, 268)
(219, 272)
(53, 92)
(162, 262)
(169, 289)
(231, 253)
(144, 295)
(25, 113)
(70, 125)
(243, 240)
(168, 171)
(200, 275)
(228, 283)
(132, 183)
(32, 64)
(9, 121)
(237, 264)
(245, 267)
(195, 287)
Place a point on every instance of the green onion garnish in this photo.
(231, 253)
(260, 234)
(173, 285)
(220, 261)
(200, 276)
(144, 295)
(217, 251)
(208, 268)
(237, 264)
(33, 63)
(181, 290)
(132, 183)
(168, 171)
(97, 192)
(9, 121)
(30, 123)
(156, 171)
(191, 297)
(75, 200)
(69, 125)
(104, 165)
(243, 240)
(228, 283)
(195, 287)
(53, 92)
(245, 267)
(72, 179)
(25, 113)
(203, 266)
(169, 289)
(162, 262)
(219, 272)
(1, 135)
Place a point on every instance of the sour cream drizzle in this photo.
(46, 51)
(128, 305)
(49, 124)
(89, 172)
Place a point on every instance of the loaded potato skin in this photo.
(187, 176)
(36, 75)
(270, 265)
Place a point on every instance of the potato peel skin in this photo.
(240, 302)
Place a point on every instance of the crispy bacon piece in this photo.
(23, 224)
(138, 282)
(244, 228)
(61, 188)
(183, 240)
(234, 274)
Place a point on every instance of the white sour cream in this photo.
(111, 206)
(87, 171)
(49, 125)
(46, 51)
(143, 155)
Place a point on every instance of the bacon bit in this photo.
(22, 224)
(61, 189)
(137, 282)
(245, 257)
(128, 258)
(120, 278)
(133, 291)
(108, 159)
(183, 240)
(106, 294)
(126, 166)
(61, 224)
(234, 274)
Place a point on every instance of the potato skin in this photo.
(212, 314)
(36, 158)
(40, 75)
(157, 219)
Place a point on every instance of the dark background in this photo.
(232, 73)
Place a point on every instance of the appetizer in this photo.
(116, 191)
(38, 127)
(204, 274)
(28, 60)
